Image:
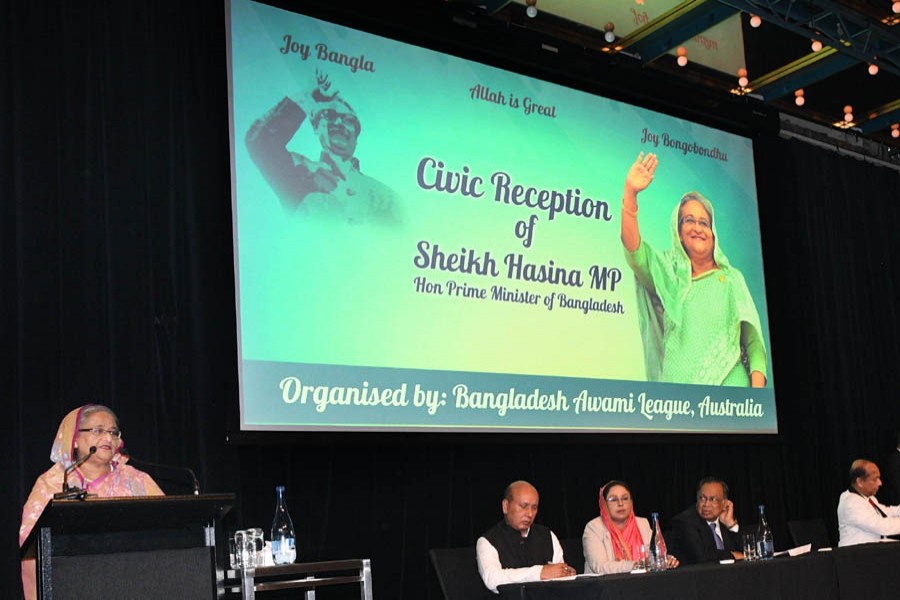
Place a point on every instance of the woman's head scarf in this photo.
(63, 449)
(627, 542)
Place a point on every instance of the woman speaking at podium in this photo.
(86, 459)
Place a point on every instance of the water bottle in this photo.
(658, 554)
(764, 540)
(283, 549)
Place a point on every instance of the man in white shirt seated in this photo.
(861, 518)
(516, 550)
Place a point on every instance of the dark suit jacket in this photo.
(694, 539)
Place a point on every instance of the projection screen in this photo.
(427, 243)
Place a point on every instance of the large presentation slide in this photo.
(427, 243)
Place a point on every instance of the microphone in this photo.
(188, 470)
(70, 493)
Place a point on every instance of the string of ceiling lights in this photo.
(829, 35)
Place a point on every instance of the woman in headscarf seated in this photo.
(103, 474)
(698, 322)
(617, 541)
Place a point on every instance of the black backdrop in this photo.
(115, 231)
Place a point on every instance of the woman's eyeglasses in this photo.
(616, 500)
(691, 221)
(114, 433)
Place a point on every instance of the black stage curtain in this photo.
(115, 227)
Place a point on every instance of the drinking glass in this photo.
(233, 554)
(241, 550)
(238, 549)
(248, 545)
(256, 537)
(750, 550)
(641, 562)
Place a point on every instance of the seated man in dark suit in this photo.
(517, 550)
(708, 531)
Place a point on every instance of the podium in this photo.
(141, 547)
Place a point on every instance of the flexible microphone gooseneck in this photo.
(68, 492)
(188, 470)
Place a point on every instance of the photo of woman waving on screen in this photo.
(698, 322)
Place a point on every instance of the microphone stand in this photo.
(188, 470)
(73, 493)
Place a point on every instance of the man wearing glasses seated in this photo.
(708, 531)
(332, 186)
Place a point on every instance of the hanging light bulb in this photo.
(755, 21)
(742, 77)
(873, 69)
(816, 45)
(531, 9)
(896, 8)
(682, 56)
(609, 35)
(799, 100)
(848, 113)
(895, 130)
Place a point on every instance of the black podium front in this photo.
(143, 547)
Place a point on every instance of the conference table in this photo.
(870, 572)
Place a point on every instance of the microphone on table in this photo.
(188, 470)
(71, 493)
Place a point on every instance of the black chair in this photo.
(809, 531)
(457, 573)
(573, 553)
